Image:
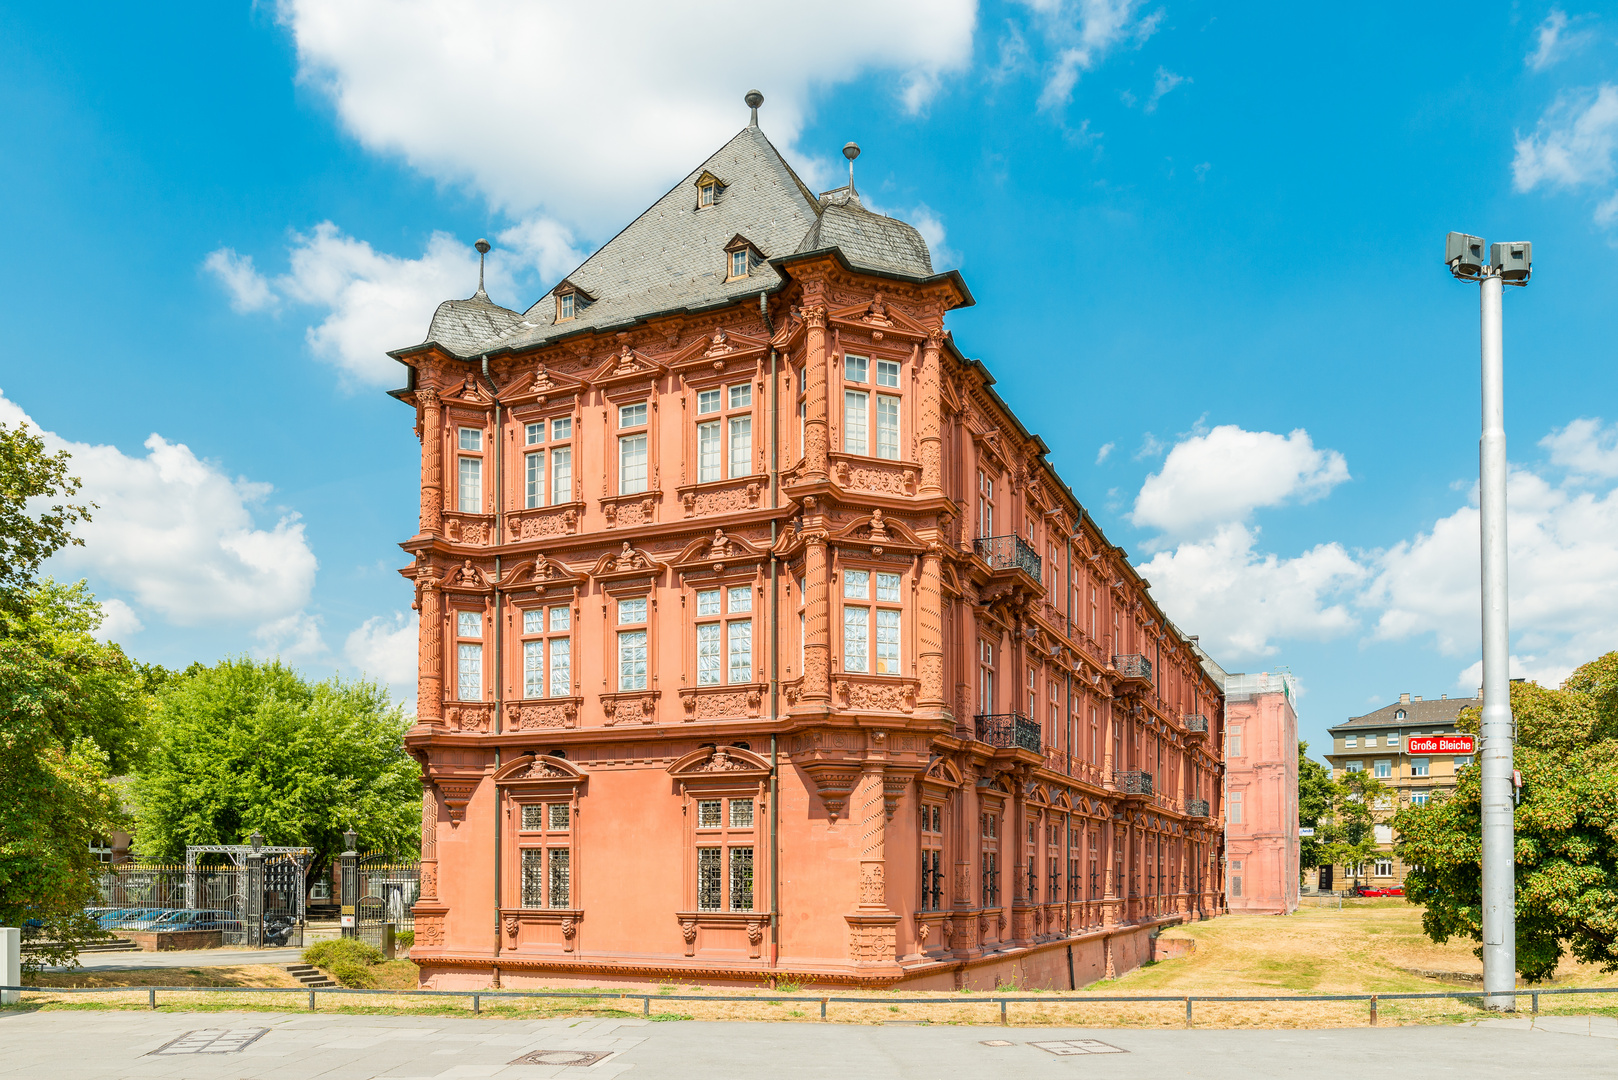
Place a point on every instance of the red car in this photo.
(1364, 890)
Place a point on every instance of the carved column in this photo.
(816, 428)
(817, 630)
(873, 928)
(432, 464)
(429, 842)
(430, 678)
(930, 640)
(1108, 765)
(929, 422)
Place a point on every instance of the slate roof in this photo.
(1417, 714)
(672, 256)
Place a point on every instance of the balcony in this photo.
(1134, 671)
(1134, 782)
(1009, 730)
(1008, 553)
(1196, 725)
(1196, 808)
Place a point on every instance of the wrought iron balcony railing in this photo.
(1196, 807)
(1133, 666)
(1135, 782)
(1008, 553)
(1196, 723)
(1008, 730)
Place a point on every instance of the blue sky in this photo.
(1204, 238)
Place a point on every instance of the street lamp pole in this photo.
(1506, 262)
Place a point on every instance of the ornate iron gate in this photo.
(370, 916)
(282, 913)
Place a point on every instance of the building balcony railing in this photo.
(1008, 553)
(1009, 730)
(1133, 666)
(1196, 807)
(1135, 782)
(1196, 724)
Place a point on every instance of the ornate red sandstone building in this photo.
(759, 639)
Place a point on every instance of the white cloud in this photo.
(1573, 146)
(1584, 448)
(1563, 545)
(931, 227)
(247, 288)
(178, 536)
(118, 621)
(385, 648)
(1104, 453)
(294, 638)
(1085, 32)
(1242, 602)
(541, 104)
(1553, 43)
(1224, 475)
(1166, 81)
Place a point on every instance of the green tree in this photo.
(1347, 834)
(1315, 793)
(28, 472)
(1566, 830)
(247, 746)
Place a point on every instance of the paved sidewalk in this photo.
(123, 961)
(69, 1045)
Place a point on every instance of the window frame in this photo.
(725, 619)
(877, 395)
(481, 641)
(547, 637)
(873, 619)
(556, 435)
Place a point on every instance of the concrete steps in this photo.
(310, 976)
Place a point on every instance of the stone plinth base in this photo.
(169, 940)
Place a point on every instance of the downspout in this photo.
(499, 652)
(775, 644)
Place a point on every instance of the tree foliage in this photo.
(1316, 792)
(1566, 830)
(246, 746)
(1346, 832)
(27, 473)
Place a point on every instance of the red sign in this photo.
(1439, 744)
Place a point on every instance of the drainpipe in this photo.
(499, 639)
(775, 645)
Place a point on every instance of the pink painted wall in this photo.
(1261, 763)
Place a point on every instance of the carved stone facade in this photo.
(855, 615)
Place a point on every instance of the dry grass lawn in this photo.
(1364, 948)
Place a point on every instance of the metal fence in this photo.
(1007, 730)
(258, 904)
(396, 885)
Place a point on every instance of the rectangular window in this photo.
(741, 446)
(631, 415)
(559, 815)
(561, 665)
(856, 643)
(1384, 868)
(741, 813)
(855, 407)
(534, 433)
(887, 373)
(533, 877)
(709, 401)
(1356, 766)
(887, 427)
(741, 879)
(469, 672)
(632, 611)
(533, 669)
(1418, 767)
(740, 598)
(1351, 742)
(1233, 743)
(741, 650)
(565, 305)
(470, 499)
(707, 654)
(708, 602)
(632, 660)
(741, 395)
(856, 369)
(562, 428)
(1462, 762)
(887, 642)
(468, 624)
(1419, 798)
(534, 470)
(738, 264)
(708, 452)
(561, 474)
(471, 438)
(709, 882)
(631, 464)
(1370, 740)
(1235, 808)
(533, 818)
(1383, 770)
(708, 814)
(887, 588)
(856, 584)
(561, 878)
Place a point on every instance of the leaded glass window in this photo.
(470, 498)
(707, 654)
(533, 669)
(887, 373)
(708, 452)
(741, 650)
(561, 665)
(887, 588)
(469, 673)
(887, 427)
(708, 602)
(887, 642)
(561, 473)
(741, 599)
(631, 464)
(741, 446)
(632, 660)
(856, 369)
(709, 881)
(856, 642)
(468, 624)
(534, 471)
(855, 421)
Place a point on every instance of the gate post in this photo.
(350, 884)
(253, 894)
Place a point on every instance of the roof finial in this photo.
(851, 151)
(483, 249)
(754, 99)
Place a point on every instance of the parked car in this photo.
(1367, 890)
(136, 918)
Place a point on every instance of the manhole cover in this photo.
(998, 1042)
(211, 1041)
(563, 1057)
(1079, 1046)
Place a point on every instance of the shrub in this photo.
(348, 973)
(327, 954)
(404, 939)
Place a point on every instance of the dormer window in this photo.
(705, 194)
(708, 190)
(564, 307)
(740, 257)
(738, 263)
(570, 301)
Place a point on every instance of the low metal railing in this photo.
(1047, 999)
(1132, 666)
(1196, 722)
(1196, 807)
(1008, 553)
(1008, 730)
(1135, 782)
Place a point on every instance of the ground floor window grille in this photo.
(1053, 883)
(741, 879)
(709, 879)
(932, 880)
(1073, 879)
(561, 878)
(991, 879)
(533, 877)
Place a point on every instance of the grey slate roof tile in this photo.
(1417, 714)
(672, 256)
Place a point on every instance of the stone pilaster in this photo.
(816, 426)
(929, 424)
(816, 623)
(432, 464)
(429, 842)
(430, 678)
(930, 637)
